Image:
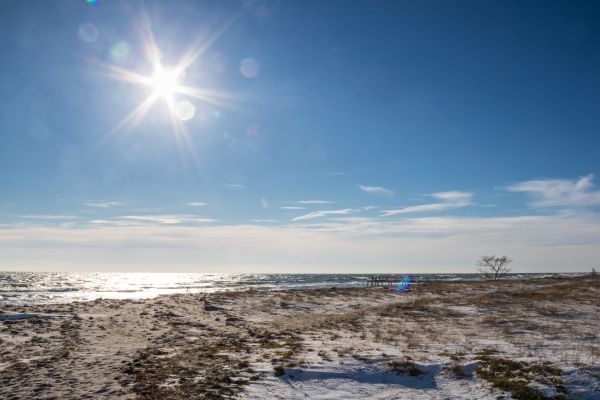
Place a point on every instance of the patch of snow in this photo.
(361, 381)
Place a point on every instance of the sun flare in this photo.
(165, 82)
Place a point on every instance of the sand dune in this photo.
(448, 340)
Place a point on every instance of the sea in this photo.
(30, 288)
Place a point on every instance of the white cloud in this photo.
(351, 242)
(50, 217)
(450, 200)
(376, 190)
(234, 186)
(314, 202)
(167, 219)
(196, 204)
(454, 196)
(264, 203)
(293, 208)
(560, 192)
(105, 204)
(260, 221)
(319, 214)
(566, 242)
(419, 208)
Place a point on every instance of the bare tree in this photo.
(492, 267)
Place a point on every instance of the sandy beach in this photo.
(471, 340)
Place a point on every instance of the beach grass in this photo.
(527, 339)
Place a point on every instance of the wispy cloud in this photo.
(167, 218)
(560, 192)
(105, 204)
(264, 204)
(376, 190)
(314, 202)
(50, 217)
(196, 204)
(449, 200)
(293, 208)
(260, 221)
(551, 243)
(99, 222)
(234, 186)
(325, 213)
(454, 196)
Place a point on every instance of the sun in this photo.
(164, 82)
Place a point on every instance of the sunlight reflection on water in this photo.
(58, 287)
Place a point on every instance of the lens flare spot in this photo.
(217, 62)
(185, 110)
(88, 32)
(249, 68)
(403, 284)
(253, 131)
(120, 52)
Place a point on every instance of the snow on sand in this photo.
(470, 340)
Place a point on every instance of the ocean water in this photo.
(24, 288)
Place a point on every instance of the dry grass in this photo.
(457, 371)
(452, 320)
(517, 377)
(404, 367)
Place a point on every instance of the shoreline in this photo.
(343, 342)
(35, 288)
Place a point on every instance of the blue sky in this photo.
(380, 136)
